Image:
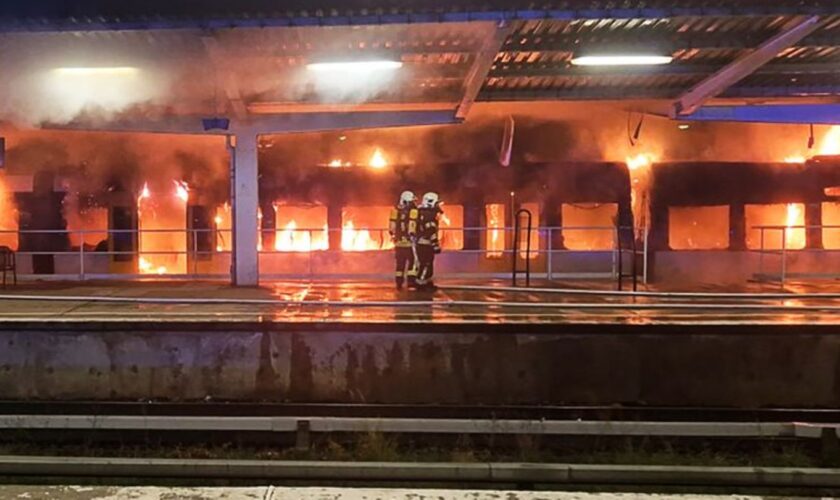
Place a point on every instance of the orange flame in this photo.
(639, 167)
(182, 190)
(495, 213)
(356, 240)
(162, 223)
(794, 237)
(377, 160)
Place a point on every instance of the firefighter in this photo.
(403, 229)
(428, 243)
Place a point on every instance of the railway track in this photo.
(567, 413)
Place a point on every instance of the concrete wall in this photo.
(650, 365)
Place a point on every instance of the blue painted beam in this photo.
(821, 114)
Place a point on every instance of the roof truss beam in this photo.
(794, 31)
(481, 68)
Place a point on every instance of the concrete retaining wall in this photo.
(704, 366)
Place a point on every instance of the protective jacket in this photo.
(403, 225)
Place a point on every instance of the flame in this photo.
(162, 221)
(338, 163)
(356, 240)
(377, 160)
(795, 159)
(146, 267)
(144, 193)
(8, 216)
(223, 223)
(292, 239)
(830, 144)
(639, 161)
(495, 223)
(182, 190)
(794, 238)
(639, 167)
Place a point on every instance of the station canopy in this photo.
(156, 59)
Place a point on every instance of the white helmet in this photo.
(430, 200)
(407, 198)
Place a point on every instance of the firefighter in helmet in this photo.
(403, 228)
(428, 243)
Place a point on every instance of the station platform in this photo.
(364, 342)
(379, 302)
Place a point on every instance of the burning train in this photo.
(696, 221)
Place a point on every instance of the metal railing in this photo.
(783, 251)
(194, 247)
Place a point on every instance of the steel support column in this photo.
(245, 199)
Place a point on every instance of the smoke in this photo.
(91, 165)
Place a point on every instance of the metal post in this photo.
(761, 254)
(615, 253)
(82, 257)
(645, 233)
(550, 249)
(784, 256)
(309, 232)
(195, 252)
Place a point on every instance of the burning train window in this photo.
(89, 220)
(9, 219)
(831, 217)
(452, 217)
(365, 228)
(698, 228)
(223, 225)
(495, 242)
(780, 216)
(301, 228)
(162, 225)
(596, 223)
(534, 208)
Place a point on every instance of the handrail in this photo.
(516, 243)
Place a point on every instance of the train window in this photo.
(453, 217)
(222, 224)
(87, 219)
(534, 208)
(589, 226)
(162, 225)
(779, 215)
(698, 228)
(495, 241)
(365, 228)
(300, 228)
(831, 217)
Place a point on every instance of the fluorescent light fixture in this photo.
(622, 60)
(350, 66)
(97, 71)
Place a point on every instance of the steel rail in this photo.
(426, 411)
(419, 426)
(409, 472)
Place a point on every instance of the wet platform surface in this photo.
(379, 302)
